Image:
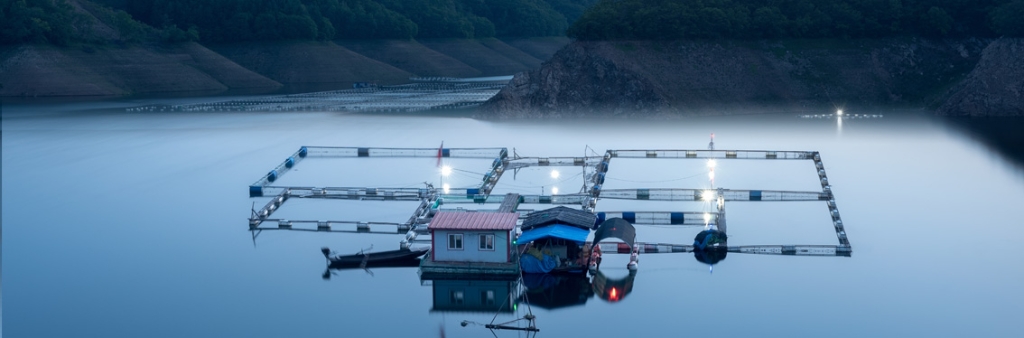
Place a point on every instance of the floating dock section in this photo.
(785, 250)
(429, 268)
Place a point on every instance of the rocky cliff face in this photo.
(644, 78)
(577, 82)
(995, 87)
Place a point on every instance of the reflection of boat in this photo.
(402, 257)
(556, 291)
(612, 290)
(710, 256)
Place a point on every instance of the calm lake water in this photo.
(135, 225)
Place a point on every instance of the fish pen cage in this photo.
(432, 199)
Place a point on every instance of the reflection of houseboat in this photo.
(473, 295)
(556, 291)
(471, 243)
(553, 240)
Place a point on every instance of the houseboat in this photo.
(474, 243)
(554, 241)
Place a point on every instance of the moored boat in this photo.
(380, 258)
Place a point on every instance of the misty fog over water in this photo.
(123, 224)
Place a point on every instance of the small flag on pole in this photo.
(439, 151)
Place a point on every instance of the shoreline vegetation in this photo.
(798, 19)
(67, 22)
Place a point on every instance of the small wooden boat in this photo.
(402, 257)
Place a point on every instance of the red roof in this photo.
(447, 220)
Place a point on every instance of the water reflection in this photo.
(482, 293)
(563, 291)
(1002, 134)
(546, 291)
(612, 290)
(551, 292)
(473, 294)
(711, 255)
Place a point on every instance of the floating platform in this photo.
(429, 267)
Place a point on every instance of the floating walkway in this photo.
(423, 95)
(595, 169)
(794, 250)
(429, 268)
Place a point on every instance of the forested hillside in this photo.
(252, 20)
(222, 21)
(758, 19)
(61, 22)
(37, 21)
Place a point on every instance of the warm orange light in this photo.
(614, 295)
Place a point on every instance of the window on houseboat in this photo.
(488, 297)
(455, 241)
(457, 297)
(486, 242)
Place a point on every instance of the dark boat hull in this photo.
(403, 257)
(405, 263)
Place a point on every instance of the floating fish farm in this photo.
(594, 168)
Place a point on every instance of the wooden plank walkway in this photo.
(509, 203)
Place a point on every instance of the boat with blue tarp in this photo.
(554, 241)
